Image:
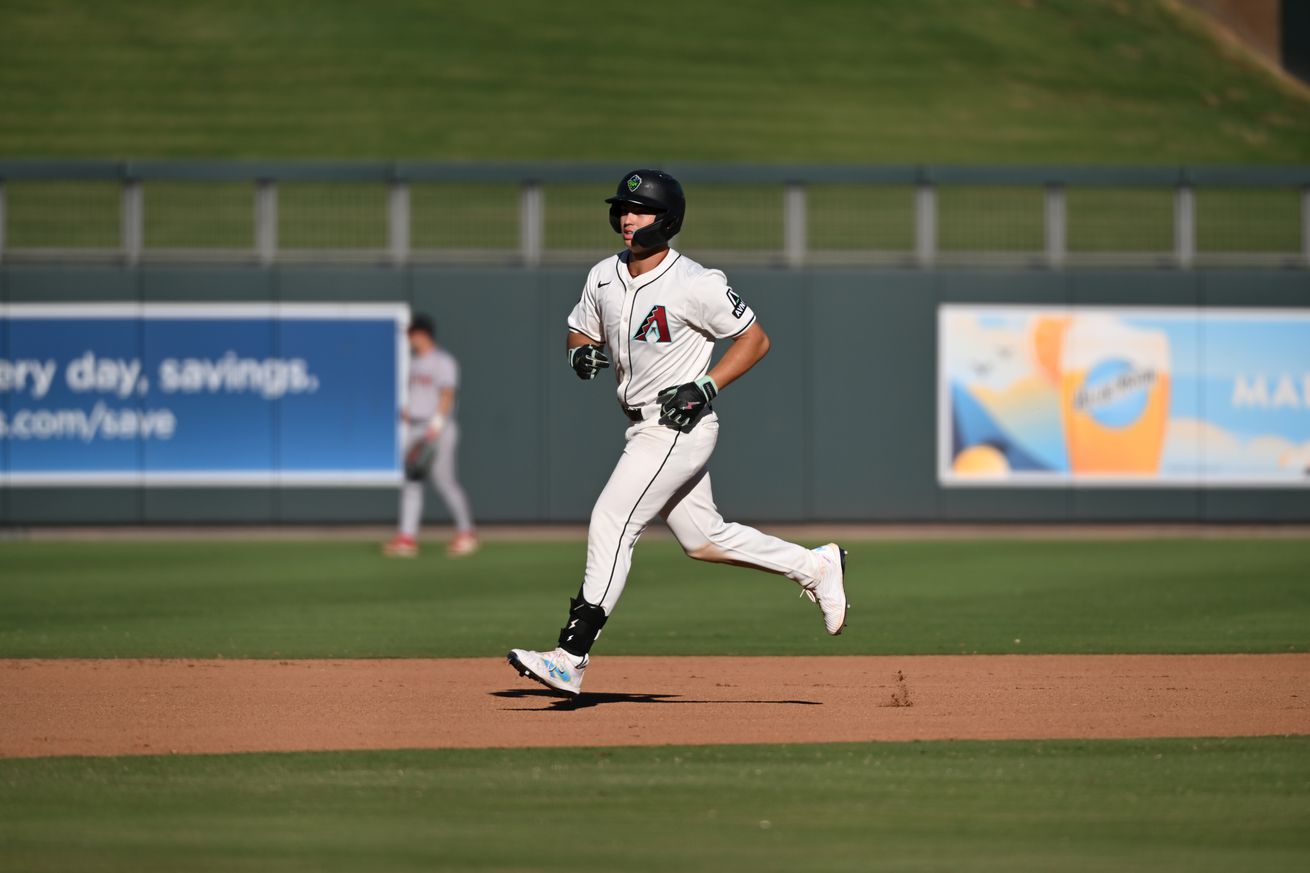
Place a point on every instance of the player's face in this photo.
(633, 218)
(419, 342)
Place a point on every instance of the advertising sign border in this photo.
(398, 313)
(947, 478)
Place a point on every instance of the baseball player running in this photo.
(659, 313)
(431, 438)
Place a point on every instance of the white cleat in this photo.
(553, 669)
(829, 590)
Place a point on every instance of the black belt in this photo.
(638, 413)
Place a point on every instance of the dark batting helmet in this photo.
(653, 189)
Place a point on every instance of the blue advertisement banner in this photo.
(1123, 396)
(201, 394)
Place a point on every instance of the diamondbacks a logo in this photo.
(634, 182)
(738, 305)
(656, 322)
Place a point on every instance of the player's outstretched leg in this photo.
(705, 536)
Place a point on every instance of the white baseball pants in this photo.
(663, 472)
(443, 477)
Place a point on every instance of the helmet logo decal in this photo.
(634, 182)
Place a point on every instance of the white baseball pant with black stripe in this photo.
(662, 472)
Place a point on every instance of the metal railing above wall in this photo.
(533, 214)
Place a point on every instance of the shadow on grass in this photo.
(587, 701)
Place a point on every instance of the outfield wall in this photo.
(838, 423)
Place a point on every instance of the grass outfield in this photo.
(341, 599)
(1099, 81)
(1164, 805)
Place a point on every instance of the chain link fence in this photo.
(788, 216)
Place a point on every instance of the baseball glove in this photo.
(419, 458)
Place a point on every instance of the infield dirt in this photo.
(126, 707)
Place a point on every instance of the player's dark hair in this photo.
(423, 323)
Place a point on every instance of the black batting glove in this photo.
(587, 360)
(681, 406)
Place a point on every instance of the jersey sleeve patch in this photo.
(738, 305)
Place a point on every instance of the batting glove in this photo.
(682, 405)
(587, 360)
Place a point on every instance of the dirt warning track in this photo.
(126, 707)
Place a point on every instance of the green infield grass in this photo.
(342, 599)
(1100, 81)
(1162, 805)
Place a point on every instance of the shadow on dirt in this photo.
(587, 701)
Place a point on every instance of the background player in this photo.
(659, 312)
(431, 438)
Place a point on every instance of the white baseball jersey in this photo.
(428, 375)
(661, 326)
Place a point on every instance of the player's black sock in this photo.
(583, 626)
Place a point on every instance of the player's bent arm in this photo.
(586, 356)
(745, 352)
(579, 339)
